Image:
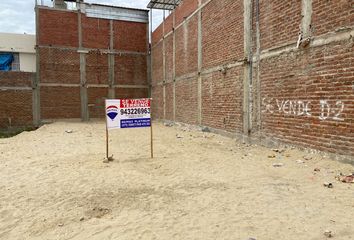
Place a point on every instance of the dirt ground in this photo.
(54, 185)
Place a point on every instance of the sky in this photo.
(17, 16)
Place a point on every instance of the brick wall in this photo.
(222, 100)
(59, 61)
(308, 99)
(16, 99)
(58, 28)
(222, 36)
(60, 102)
(59, 65)
(305, 95)
(186, 47)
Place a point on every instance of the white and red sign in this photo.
(128, 113)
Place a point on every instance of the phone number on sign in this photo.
(131, 111)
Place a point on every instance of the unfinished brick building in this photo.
(88, 54)
(268, 71)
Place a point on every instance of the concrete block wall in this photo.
(264, 71)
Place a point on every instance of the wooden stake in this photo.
(106, 130)
(151, 136)
(106, 141)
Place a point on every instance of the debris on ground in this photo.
(109, 159)
(328, 233)
(168, 124)
(307, 157)
(271, 156)
(316, 170)
(300, 161)
(277, 150)
(328, 184)
(178, 136)
(205, 129)
(278, 164)
(69, 131)
(345, 179)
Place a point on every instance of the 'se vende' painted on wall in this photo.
(329, 110)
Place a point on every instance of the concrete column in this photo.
(83, 85)
(149, 54)
(247, 78)
(36, 106)
(174, 65)
(164, 66)
(200, 62)
(258, 56)
(306, 13)
(111, 63)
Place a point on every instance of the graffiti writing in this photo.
(327, 110)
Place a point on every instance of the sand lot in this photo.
(54, 185)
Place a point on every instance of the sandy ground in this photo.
(54, 185)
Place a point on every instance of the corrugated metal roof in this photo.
(164, 4)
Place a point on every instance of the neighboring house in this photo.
(17, 52)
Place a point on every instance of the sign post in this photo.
(151, 141)
(128, 113)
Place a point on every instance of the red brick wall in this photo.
(58, 28)
(16, 79)
(186, 47)
(157, 102)
(331, 15)
(185, 9)
(222, 96)
(60, 102)
(187, 101)
(130, 69)
(95, 32)
(96, 101)
(279, 22)
(130, 36)
(157, 34)
(59, 66)
(222, 24)
(293, 92)
(96, 68)
(131, 93)
(306, 94)
(16, 109)
(157, 63)
(169, 57)
(169, 101)
(16, 105)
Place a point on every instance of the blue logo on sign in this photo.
(112, 112)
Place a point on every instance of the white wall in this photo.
(27, 62)
(21, 43)
(24, 45)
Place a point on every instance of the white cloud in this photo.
(17, 16)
